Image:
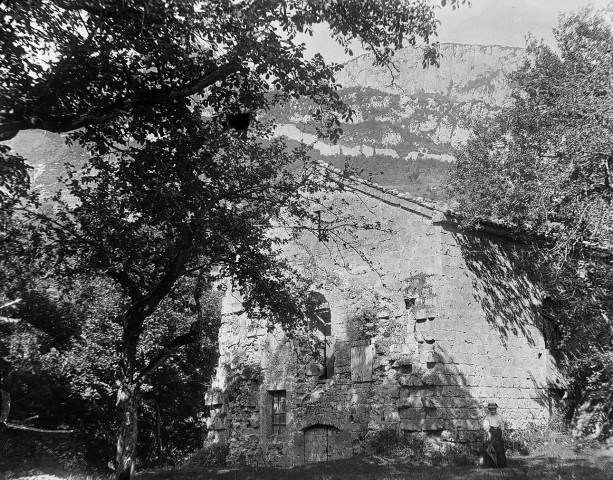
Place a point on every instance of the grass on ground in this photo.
(559, 458)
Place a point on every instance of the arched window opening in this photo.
(320, 318)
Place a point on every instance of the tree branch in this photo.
(141, 309)
(10, 126)
(126, 283)
(168, 350)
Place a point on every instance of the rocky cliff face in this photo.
(408, 121)
(467, 73)
(47, 153)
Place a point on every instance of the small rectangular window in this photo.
(279, 411)
(328, 360)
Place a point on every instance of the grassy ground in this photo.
(559, 459)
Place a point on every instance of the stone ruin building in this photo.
(419, 339)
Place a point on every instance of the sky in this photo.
(485, 22)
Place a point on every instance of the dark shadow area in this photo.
(506, 287)
(503, 282)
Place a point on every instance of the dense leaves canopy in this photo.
(108, 65)
(545, 162)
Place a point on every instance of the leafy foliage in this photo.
(71, 383)
(211, 455)
(545, 162)
(105, 61)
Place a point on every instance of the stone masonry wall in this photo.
(426, 331)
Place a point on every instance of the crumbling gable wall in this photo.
(431, 327)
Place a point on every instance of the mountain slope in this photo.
(408, 121)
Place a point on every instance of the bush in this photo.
(214, 454)
(525, 440)
(30, 446)
(415, 448)
(390, 442)
(460, 455)
(385, 441)
(593, 419)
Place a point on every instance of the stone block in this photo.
(411, 425)
(410, 413)
(411, 380)
(454, 424)
(356, 427)
(392, 417)
(450, 413)
(453, 391)
(429, 391)
(409, 402)
(432, 424)
(428, 356)
(434, 379)
(390, 391)
(218, 424)
(454, 379)
(465, 402)
(403, 361)
(433, 402)
(313, 370)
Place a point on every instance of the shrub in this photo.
(385, 441)
(392, 442)
(214, 454)
(414, 448)
(525, 440)
(460, 455)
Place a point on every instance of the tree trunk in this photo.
(6, 405)
(158, 420)
(5, 389)
(128, 429)
(127, 403)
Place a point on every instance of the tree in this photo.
(543, 167)
(172, 400)
(170, 192)
(74, 64)
(18, 246)
(544, 163)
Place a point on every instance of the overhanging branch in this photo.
(33, 118)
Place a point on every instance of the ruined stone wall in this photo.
(428, 329)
